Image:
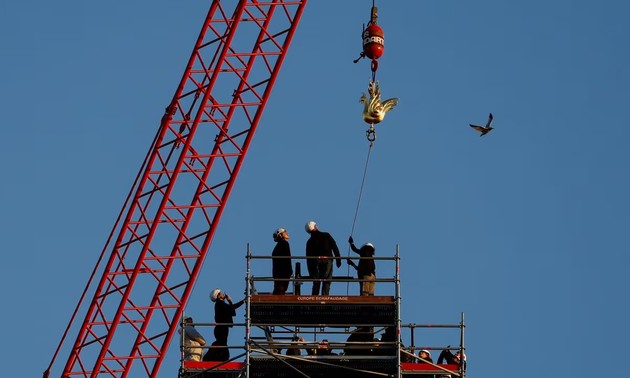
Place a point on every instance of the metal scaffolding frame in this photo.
(264, 348)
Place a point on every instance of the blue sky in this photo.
(523, 230)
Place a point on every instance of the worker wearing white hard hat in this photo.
(459, 358)
(282, 268)
(366, 270)
(214, 294)
(310, 226)
(224, 312)
(425, 356)
(321, 249)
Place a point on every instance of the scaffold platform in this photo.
(330, 310)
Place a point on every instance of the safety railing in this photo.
(300, 277)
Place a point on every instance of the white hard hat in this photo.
(310, 226)
(215, 294)
(278, 232)
(369, 245)
(426, 351)
(458, 354)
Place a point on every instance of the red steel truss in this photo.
(176, 203)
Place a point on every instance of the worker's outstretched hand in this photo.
(350, 240)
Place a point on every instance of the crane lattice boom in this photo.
(167, 226)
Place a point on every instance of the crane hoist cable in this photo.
(365, 169)
(356, 211)
(374, 109)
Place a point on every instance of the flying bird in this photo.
(484, 129)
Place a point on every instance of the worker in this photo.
(425, 356)
(366, 270)
(388, 343)
(216, 352)
(323, 349)
(322, 245)
(192, 340)
(281, 267)
(295, 349)
(452, 359)
(224, 311)
(363, 335)
(386, 346)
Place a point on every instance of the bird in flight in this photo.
(484, 129)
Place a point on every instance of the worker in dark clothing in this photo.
(425, 356)
(363, 335)
(216, 352)
(281, 267)
(320, 244)
(295, 349)
(323, 349)
(386, 346)
(366, 270)
(224, 311)
(452, 359)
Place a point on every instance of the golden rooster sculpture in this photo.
(374, 110)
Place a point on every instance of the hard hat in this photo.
(278, 232)
(188, 318)
(369, 245)
(310, 226)
(458, 354)
(426, 351)
(215, 294)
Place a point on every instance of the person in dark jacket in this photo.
(323, 349)
(281, 267)
(425, 356)
(224, 312)
(295, 349)
(320, 244)
(216, 352)
(452, 359)
(363, 335)
(366, 270)
(386, 346)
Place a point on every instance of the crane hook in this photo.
(371, 134)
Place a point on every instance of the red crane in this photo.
(154, 254)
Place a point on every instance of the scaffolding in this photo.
(295, 335)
